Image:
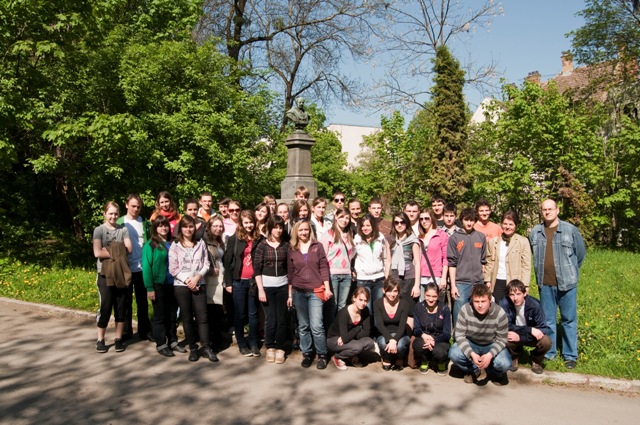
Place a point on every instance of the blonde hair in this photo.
(294, 234)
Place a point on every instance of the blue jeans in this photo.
(310, 322)
(375, 291)
(403, 348)
(551, 298)
(499, 364)
(341, 285)
(244, 304)
(464, 289)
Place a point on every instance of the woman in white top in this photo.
(372, 263)
(319, 222)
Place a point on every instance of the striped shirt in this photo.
(490, 329)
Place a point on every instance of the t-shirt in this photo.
(136, 234)
(105, 234)
(247, 263)
(549, 276)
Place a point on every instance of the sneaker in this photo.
(570, 364)
(442, 369)
(482, 374)
(514, 365)
(119, 345)
(322, 362)
(245, 351)
(255, 351)
(536, 368)
(193, 355)
(280, 356)
(424, 368)
(178, 348)
(340, 364)
(471, 378)
(208, 353)
(307, 360)
(100, 346)
(500, 380)
(387, 367)
(271, 355)
(355, 361)
(166, 351)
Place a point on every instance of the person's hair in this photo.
(353, 201)
(224, 201)
(205, 193)
(134, 196)
(375, 233)
(469, 214)
(450, 208)
(274, 221)
(516, 285)
(233, 201)
(264, 205)
(375, 200)
(268, 199)
(437, 198)
(297, 205)
(241, 233)
(336, 193)
(361, 290)
(411, 203)
(482, 203)
(317, 200)
(189, 201)
(156, 241)
(431, 286)
(432, 215)
(214, 240)
(302, 190)
(337, 231)
(294, 234)
(280, 204)
(390, 284)
(511, 215)
(172, 203)
(108, 205)
(186, 220)
(393, 235)
(480, 290)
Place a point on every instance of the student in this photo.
(223, 206)
(232, 222)
(437, 205)
(214, 280)
(432, 331)
(191, 210)
(489, 228)
(302, 194)
(480, 346)
(283, 212)
(412, 210)
(206, 201)
(527, 326)
(299, 211)
(466, 254)
(263, 213)
(450, 222)
(393, 315)
(166, 206)
(433, 246)
(338, 200)
(270, 200)
(375, 209)
(338, 245)
(355, 211)
(109, 239)
(405, 256)
(319, 223)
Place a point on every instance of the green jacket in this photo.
(154, 266)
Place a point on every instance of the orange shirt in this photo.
(490, 229)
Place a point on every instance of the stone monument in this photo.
(298, 145)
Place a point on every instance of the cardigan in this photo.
(386, 325)
(344, 327)
(310, 273)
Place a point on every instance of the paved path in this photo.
(51, 374)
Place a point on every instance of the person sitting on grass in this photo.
(527, 325)
(481, 339)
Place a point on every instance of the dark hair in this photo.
(375, 200)
(189, 201)
(187, 219)
(431, 286)
(243, 234)
(482, 203)
(393, 235)
(297, 206)
(469, 214)
(165, 194)
(156, 241)
(375, 233)
(511, 215)
(205, 193)
(450, 207)
(480, 290)
(432, 216)
(361, 290)
(516, 285)
(274, 221)
(264, 205)
(335, 228)
(353, 201)
(224, 201)
(390, 284)
(411, 203)
(437, 198)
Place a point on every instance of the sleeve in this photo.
(404, 314)
(147, 262)
(579, 246)
(205, 258)
(525, 262)
(502, 331)
(488, 270)
(174, 267)
(452, 252)
(98, 232)
(417, 320)
(445, 336)
(364, 330)
(444, 245)
(378, 307)
(323, 264)
(227, 260)
(483, 252)
(258, 259)
(462, 327)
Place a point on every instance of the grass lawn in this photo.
(608, 304)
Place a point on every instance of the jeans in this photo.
(275, 316)
(245, 304)
(499, 364)
(193, 304)
(351, 349)
(464, 289)
(341, 286)
(403, 348)
(310, 325)
(551, 298)
(164, 321)
(375, 290)
(144, 324)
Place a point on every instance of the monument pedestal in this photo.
(298, 145)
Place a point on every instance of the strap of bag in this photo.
(433, 276)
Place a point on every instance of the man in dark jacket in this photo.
(527, 325)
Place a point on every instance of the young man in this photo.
(450, 221)
(206, 201)
(558, 254)
(466, 254)
(481, 339)
(223, 207)
(489, 228)
(437, 205)
(527, 325)
(375, 209)
(301, 193)
(412, 210)
(139, 231)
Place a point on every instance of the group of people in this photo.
(426, 288)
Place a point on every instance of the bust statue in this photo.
(298, 115)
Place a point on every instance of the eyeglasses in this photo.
(338, 200)
(425, 218)
(233, 209)
(398, 223)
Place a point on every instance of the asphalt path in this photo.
(51, 374)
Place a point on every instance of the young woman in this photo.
(299, 211)
(232, 222)
(508, 257)
(111, 242)
(262, 217)
(308, 274)
(319, 223)
(238, 275)
(270, 271)
(159, 285)
(188, 264)
(372, 263)
(405, 256)
(349, 335)
(432, 329)
(214, 280)
(191, 209)
(270, 200)
(433, 242)
(392, 315)
(166, 207)
(338, 244)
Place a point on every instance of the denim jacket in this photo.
(568, 253)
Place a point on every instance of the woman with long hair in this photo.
(299, 211)
(238, 275)
(433, 243)
(405, 256)
(159, 285)
(232, 222)
(432, 331)
(263, 213)
(372, 263)
(319, 223)
(214, 279)
(308, 274)
(392, 316)
(338, 245)
(270, 271)
(188, 264)
(112, 294)
(166, 207)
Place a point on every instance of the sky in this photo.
(529, 36)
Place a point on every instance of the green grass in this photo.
(608, 303)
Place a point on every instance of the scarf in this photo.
(397, 254)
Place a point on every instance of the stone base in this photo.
(290, 184)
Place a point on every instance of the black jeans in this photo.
(439, 354)
(275, 312)
(193, 303)
(144, 324)
(111, 298)
(165, 316)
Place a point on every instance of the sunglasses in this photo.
(338, 200)
(233, 209)
(397, 223)
(425, 218)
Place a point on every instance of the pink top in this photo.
(247, 263)
(437, 253)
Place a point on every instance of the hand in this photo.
(262, 296)
(513, 337)
(488, 284)
(328, 293)
(537, 333)
(392, 347)
(229, 289)
(340, 343)
(289, 302)
(191, 283)
(454, 292)
(151, 295)
(415, 291)
(485, 361)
